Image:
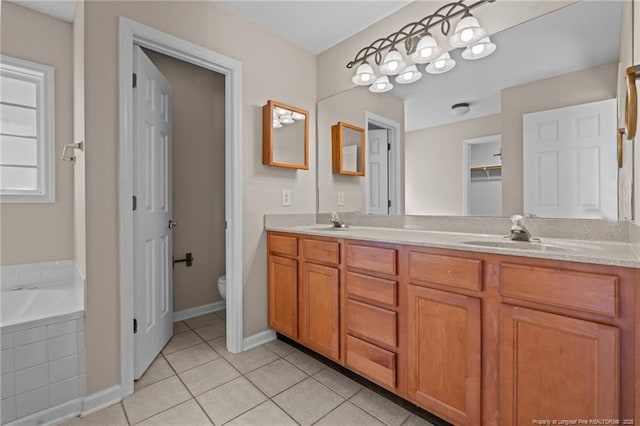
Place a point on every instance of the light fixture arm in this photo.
(411, 33)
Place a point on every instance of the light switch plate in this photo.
(341, 198)
(286, 198)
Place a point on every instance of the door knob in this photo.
(172, 224)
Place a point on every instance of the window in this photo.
(26, 132)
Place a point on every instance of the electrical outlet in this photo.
(286, 198)
(341, 198)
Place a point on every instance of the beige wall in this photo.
(350, 107)
(433, 165)
(272, 69)
(198, 179)
(44, 231)
(590, 85)
(334, 77)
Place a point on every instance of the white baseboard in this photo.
(102, 399)
(199, 310)
(258, 339)
(51, 415)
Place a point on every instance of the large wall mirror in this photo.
(285, 136)
(539, 137)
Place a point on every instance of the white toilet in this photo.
(222, 287)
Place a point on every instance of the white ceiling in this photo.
(314, 25)
(61, 9)
(576, 37)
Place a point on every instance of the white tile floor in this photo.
(195, 381)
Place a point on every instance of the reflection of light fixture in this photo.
(276, 124)
(481, 49)
(460, 109)
(381, 85)
(409, 75)
(297, 116)
(392, 63)
(420, 47)
(286, 119)
(441, 65)
(280, 111)
(364, 75)
(467, 32)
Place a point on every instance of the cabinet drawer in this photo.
(373, 289)
(582, 291)
(375, 363)
(448, 270)
(283, 244)
(372, 323)
(374, 259)
(321, 251)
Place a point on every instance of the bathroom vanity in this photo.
(470, 328)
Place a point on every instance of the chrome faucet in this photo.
(519, 232)
(335, 219)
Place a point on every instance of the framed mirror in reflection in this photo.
(348, 148)
(548, 93)
(285, 136)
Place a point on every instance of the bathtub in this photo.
(42, 330)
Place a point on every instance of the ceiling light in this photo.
(460, 109)
(297, 116)
(381, 85)
(286, 119)
(467, 32)
(392, 63)
(276, 124)
(441, 65)
(364, 75)
(409, 75)
(426, 50)
(481, 49)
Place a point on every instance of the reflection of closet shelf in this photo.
(492, 172)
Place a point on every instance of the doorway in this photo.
(382, 165)
(135, 34)
(482, 176)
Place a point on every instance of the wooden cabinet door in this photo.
(444, 354)
(283, 295)
(320, 309)
(556, 367)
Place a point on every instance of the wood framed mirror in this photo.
(285, 136)
(348, 147)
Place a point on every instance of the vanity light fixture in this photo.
(420, 47)
(286, 119)
(276, 124)
(297, 116)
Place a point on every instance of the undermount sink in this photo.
(517, 245)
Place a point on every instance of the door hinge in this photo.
(388, 146)
(135, 80)
(135, 326)
(225, 224)
(389, 203)
(135, 203)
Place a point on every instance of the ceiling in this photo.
(579, 36)
(61, 9)
(314, 25)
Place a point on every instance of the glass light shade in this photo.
(297, 116)
(441, 65)
(409, 75)
(280, 111)
(276, 124)
(381, 85)
(364, 75)
(481, 49)
(468, 31)
(392, 63)
(286, 119)
(426, 50)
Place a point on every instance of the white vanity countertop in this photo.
(597, 252)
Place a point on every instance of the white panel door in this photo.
(378, 172)
(570, 166)
(153, 241)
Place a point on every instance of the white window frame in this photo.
(43, 77)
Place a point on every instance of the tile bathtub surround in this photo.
(39, 273)
(42, 367)
(273, 384)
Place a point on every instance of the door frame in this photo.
(130, 33)
(394, 129)
(466, 173)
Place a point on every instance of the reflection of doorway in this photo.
(382, 165)
(482, 176)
